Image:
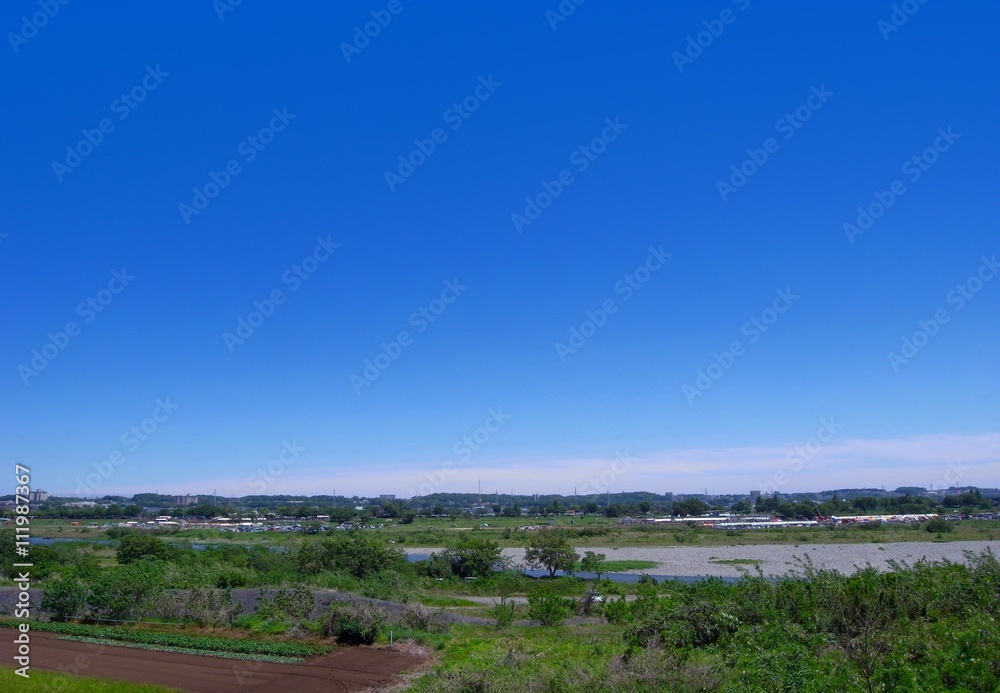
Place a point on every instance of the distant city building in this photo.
(669, 495)
(387, 496)
(38, 496)
(754, 495)
(185, 500)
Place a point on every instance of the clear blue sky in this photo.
(507, 95)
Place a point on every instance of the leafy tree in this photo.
(689, 507)
(139, 545)
(407, 517)
(593, 563)
(128, 592)
(437, 565)
(644, 507)
(44, 559)
(342, 514)
(865, 503)
(970, 499)
(474, 557)
(64, 599)
(549, 549)
(512, 511)
(356, 553)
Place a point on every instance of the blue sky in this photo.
(461, 189)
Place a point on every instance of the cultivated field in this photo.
(346, 669)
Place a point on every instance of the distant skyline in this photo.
(289, 250)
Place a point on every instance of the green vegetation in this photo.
(736, 561)
(185, 650)
(926, 627)
(620, 566)
(139, 545)
(182, 640)
(51, 681)
(939, 524)
(471, 556)
(933, 627)
(549, 609)
(550, 549)
(597, 563)
(354, 624)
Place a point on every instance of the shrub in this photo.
(939, 524)
(286, 604)
(504, 613)
(206, 607)
(618, 612)
(354, 624)
(548, 609)
(389, 585)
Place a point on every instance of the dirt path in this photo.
(345, 669)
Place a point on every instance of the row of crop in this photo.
(185, 650)
(194, 642)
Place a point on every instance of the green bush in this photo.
(207, 607)
(549, 609)
(471, 556)
(356, 553)
(283, 605)
(137, 546)
(196, 642)
(617, 612)
(504, 613)
(354, 624)
(939, 524)
(127, 592)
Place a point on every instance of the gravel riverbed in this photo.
(774, 559)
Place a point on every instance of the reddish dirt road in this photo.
(345, 669)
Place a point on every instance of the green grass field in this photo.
(618, 566)
(53, 682)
